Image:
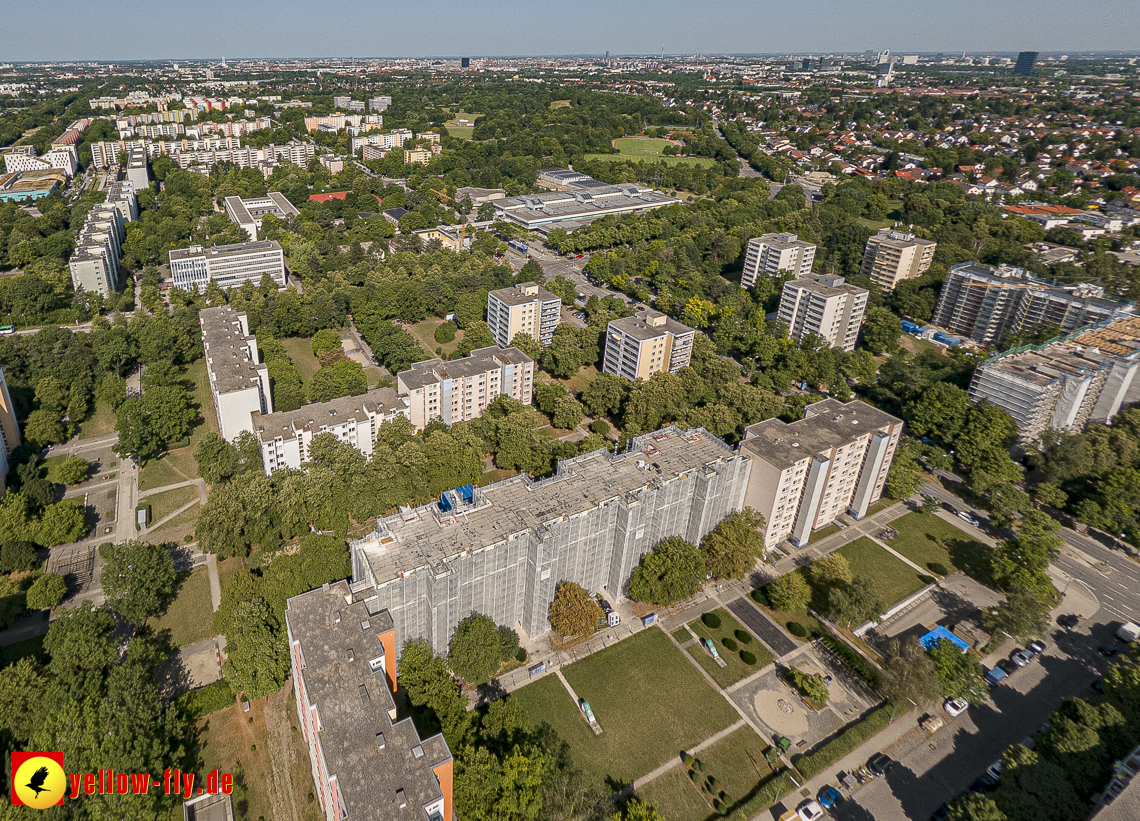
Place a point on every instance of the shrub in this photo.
(46, 592)
(760, 597)
(711, 620)
(812, 687)
(940, 569)
(729, 644)
(600, 427)
(16, 556)
(200, 703)
(747, 658)
(742, 636)
(686, 759)
(694, 776)
(797, 630)
(698, 765)
(845, 741)
(520, 655)
(445, 333)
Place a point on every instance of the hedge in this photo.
(855, 661)
(759, 596)
(797, 630)
(747, 658)
(711, 620)
(200, 703)
(846, 741)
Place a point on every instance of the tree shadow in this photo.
(972, 558)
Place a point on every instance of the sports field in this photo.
(637, 146)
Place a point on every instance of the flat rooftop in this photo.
(286, 424)
(825, 285)
(650, 324)
(237, 249)
(416, 538)
(829, 424)
(1072, 355)
(556, 206)
(481, 360)
(227, 356)
(514, 295)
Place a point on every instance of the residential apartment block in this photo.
(460, 390)
(122, 196)
(379, 104)
(365, 764)
(987, 304)
(1087, 376)
(805, 474)
(228, 265)
(385, 142)
(526, 308)
(63, 158)
(646, 343)
(137, 174)
(239, 381)
(264, 159)
(9, 431)
(286, 436)
(770, 255)
(248, 213)
(892, 256)
(94, 262)
(825, 306)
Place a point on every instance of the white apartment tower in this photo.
(770, 255)
(825, 306)
(525, 308)
(460, 390)
(94, 263)
(249, 213)
(892, 256)
(239, 382)
(646, 343)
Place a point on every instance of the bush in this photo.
(600, 427)
(789, 592)
(845, 741)
(760, 597)
(698, 765)
(797, 630)
(922, 577)
(200, 703)
(729, 645)
(520, 655)
(694, 776)
(742, 636)
(15, 556)
(445, 333)
(686, 759)
(46, 592)
(711, 620)
(812, 687)
(326, 339)
(747, 658)
(940, 569)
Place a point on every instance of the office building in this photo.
(248, 213)
(228, 265)
(525, 308)
(285, 437)
(500, 550)
(646, 343)
(1066, 383)
(365, 764)
(807, 473)
(892, 256)
(9, 431)
(1026, 64)
(461, 389)
(239, 381)
(94, 262)
(341, 101)
(63, 158)
(465, 62)
(379, 104)
(825, 306)
(770, 255)
(987, 303)
(137, 174)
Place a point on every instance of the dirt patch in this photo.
(282, 756)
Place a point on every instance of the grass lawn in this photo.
(300, 350)
(99, 423)
(560, 104)
(640, 731)
(495, 475)
(704, 162)
(227, 567)
(919, 537)
(824, 532)
(462, 132)
(172, 467)
(28, 647)
(189, 616)
(176, 528)
(581, 380)
(893, 579)
(736, 669)
(676, 797)
(163, 504)
(49, 469)
(914, 345)
(424, 332)
(640, 145)
(809, 623)
(882, 504)
(373, 375)
(682, 635)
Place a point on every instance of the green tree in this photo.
(605, 394)
(42, 428)
(22, 687)
(72, 470)
(112, 390)
(81, 640)
(733, 546)
(326, 339)
(508, 643)
(563, 356)
(257, 655)
(974, 807)
(527, 344)
(854, 603)
(17, 556)
(568, 413)
(147, 424)
(50, 394)
(908, 675)
(138, 578)
(831, 570)
(475, 651)
(46, 592)
(940, 412)
(881, 331)
(286, 385)
(1024, 615)
(574, 612)
(1033, 789)
(789, 593)
(960, 674)
(475, 336)
(672, 571)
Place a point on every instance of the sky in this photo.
(160, 29)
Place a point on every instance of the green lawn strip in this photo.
(682, 635)
(676, 797)
(824, 532)
(172, 467)
(737, 761)
(99, 423)
(894, 579)
(581, 380)
(919, 538)
(846, 741)
(163, 504)
(809, 623)
(186, 518)
(189, 616)
(735, 668)
(300, 350)
(199, 380)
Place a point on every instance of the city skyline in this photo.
(301, 30)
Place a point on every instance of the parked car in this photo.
(993, 772)
(931, 724)
(1007, 665)
(809, 811)
(828, 797)
(1021, 657)
(954, 707)
(1108, 650)
(1036, 647)
(968, 518)
(880, 764)
(995, 676)
(1068, 621)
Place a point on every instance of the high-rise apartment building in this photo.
(825, 306)
(248, 213)
(228, 265)
(9, 431)
(770, 255)
(525, 308)
(122, 196)
(137, 174)
(239, 381)
(892, 256)
(646, 343)
(807, 473)
(63, 158)
(1026, 64)
(461, 389)
(94, 262)
(987, 303)
(365, 764)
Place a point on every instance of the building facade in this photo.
(892, 256)
(137, 174)
(63, 158)
(825, 306)
(94, 262)
(365, 764)
(646, 343)
(807, 473)
(248, 213)
(9, 431)
(285, 437)
(239, 381)
(770, 255)
(229, 266)
(527, 309)
(461, 389)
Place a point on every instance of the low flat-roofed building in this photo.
(532, 210)
(230, 266)
(646, 343)
(239, 381)
(478, 196)
(286, 436)
(248, 213)
(525, 308)
(560, 179)
(18, 186)
(459, 390)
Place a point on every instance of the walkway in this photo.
(673, 762)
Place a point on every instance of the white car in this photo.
(810, 810)
(968, 518)
(954, 707)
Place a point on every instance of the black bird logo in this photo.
(38, 779)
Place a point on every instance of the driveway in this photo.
(763, 627)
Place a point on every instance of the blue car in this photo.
(828, 797)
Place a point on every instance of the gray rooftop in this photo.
(782, 241)
(354, 703)
(481, 360)
(335, 412)
(827, 424)
(826, 285)
(416, 539)
(514, 295)
(227, 349)
(237, 249)
(582, 202)
(640, 326)
(247, 210)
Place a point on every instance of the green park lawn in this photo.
(99, 423)
(171, 467)
(190, 615)
(640, 145)
(300, 350)
(676, 797)
(809, 623)
(736, 669)
(920, 535)
(462, 132)
(704, 162)
(894, 580)
(163, 504)
(581, 380)
(649, 700)
(424, 332)
(176, 528)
